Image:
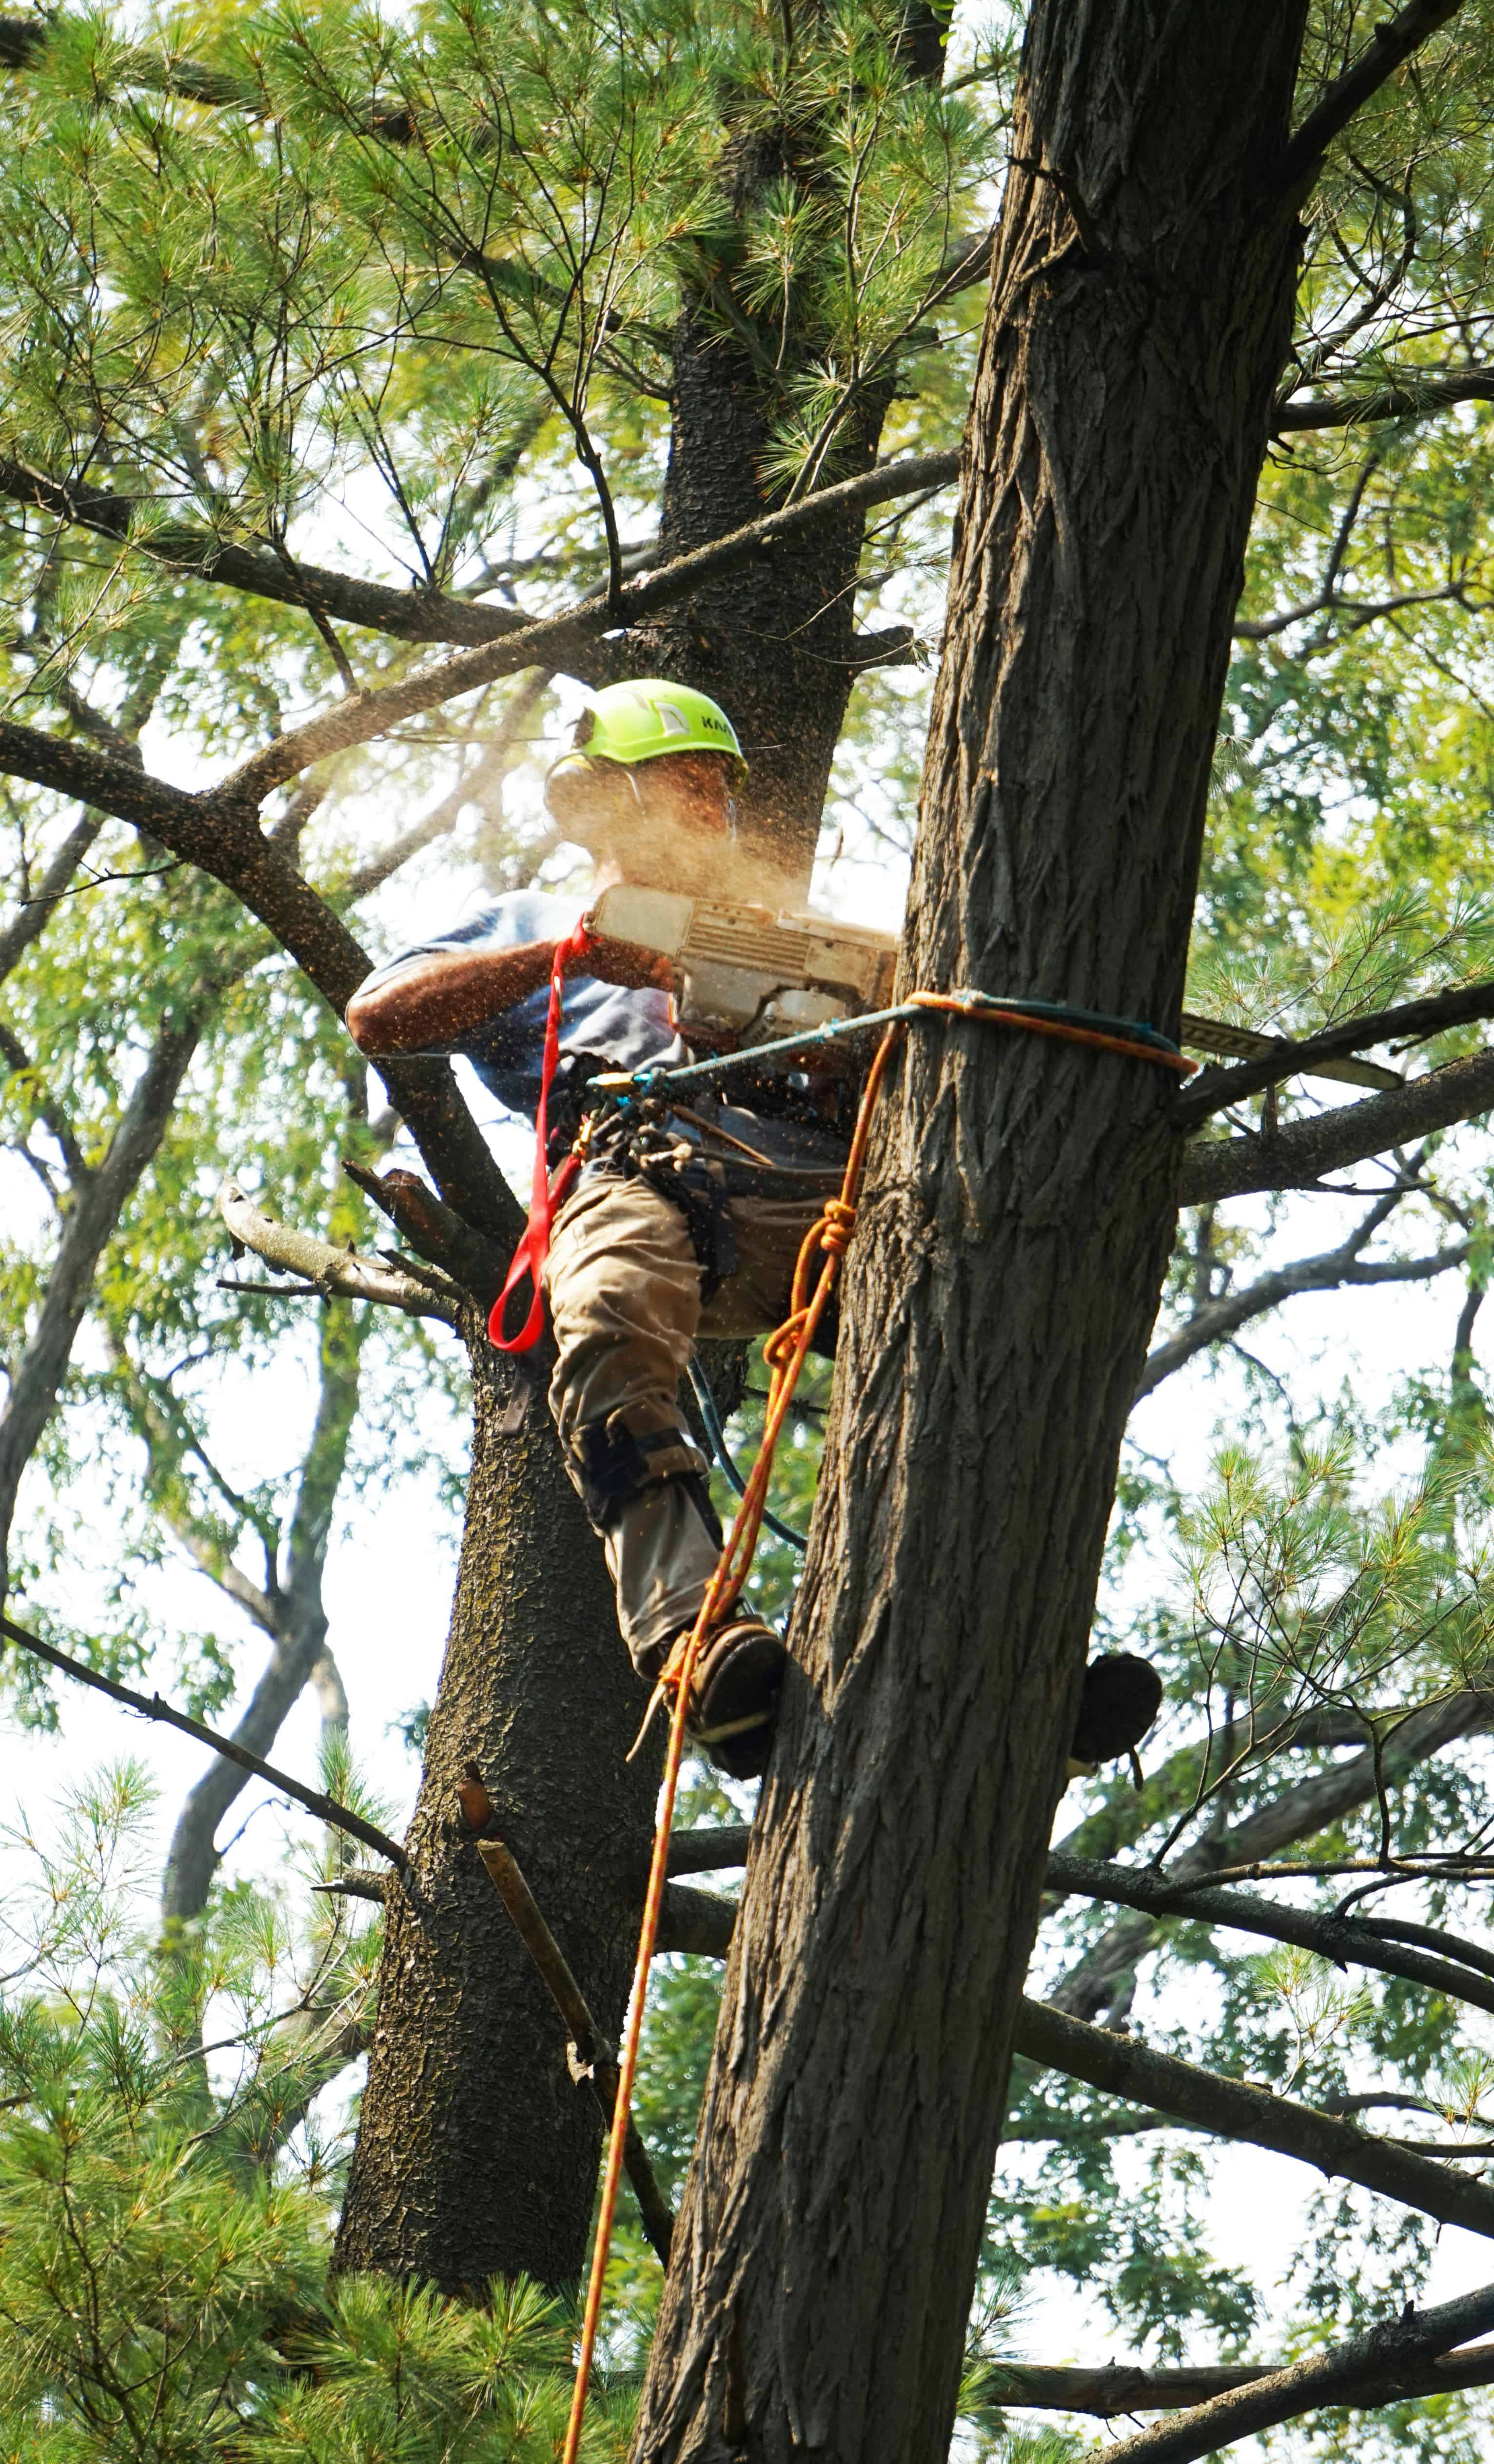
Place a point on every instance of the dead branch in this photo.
(151, 1707)
(435, 1230)
(335, 1273)
(592, 2059)
(356, 1887)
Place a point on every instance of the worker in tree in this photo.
(681, 1226)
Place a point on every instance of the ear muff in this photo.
(583, 796)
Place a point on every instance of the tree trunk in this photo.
(1018, 1219)
(477, 2154)
(292, 1612)
(96, 1206)
(775, 644)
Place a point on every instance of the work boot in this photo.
(734, 1692)
(1121, 1698)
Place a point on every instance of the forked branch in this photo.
(1391, 44)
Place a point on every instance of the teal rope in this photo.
(691, 1072)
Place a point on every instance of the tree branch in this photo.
(554, 640)
(697, 1923)
(484, 778)
(1039, 2388)
(1396, 39)
(151, 1707)
(1299, 1813)
(572, 639)
(407, 615)
(435, 1231)
(1401, 2356)
(97, 1203)
(1356, 613)
(1206, 2100)
(33, 914)
(1407, 396)
(1407, 1022)
(19, 1062)
(1190, 1771)
(220, 833)
(1326, 1273)
(337, 1273)
(594, 2059)
(1297, 1155)
(1343, 1939)
(22, 39)
(709, 1850)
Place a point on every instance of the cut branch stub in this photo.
(435, 1230)
(592, 2059)
(337, 1273)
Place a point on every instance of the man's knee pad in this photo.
(617, 1461)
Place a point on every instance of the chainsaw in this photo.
(751, 974)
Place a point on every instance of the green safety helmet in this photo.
(649, 717)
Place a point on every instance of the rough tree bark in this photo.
(1020, 1209)
(775, 644)
(476, 2154)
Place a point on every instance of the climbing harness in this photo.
(546, 1198)
(1126, 1036)
(785, 1353)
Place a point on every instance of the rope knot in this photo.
(836, 1225)
(779, 1346)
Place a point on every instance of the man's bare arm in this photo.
(450, 994)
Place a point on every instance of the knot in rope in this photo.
(780, 1347)
(835, 1227)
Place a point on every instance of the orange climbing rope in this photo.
(785, 1353)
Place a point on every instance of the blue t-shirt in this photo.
(626, 1031)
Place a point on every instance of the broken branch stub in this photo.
(338, 1274)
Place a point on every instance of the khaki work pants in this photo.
(624, 1287)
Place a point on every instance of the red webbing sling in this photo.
(546, 1197)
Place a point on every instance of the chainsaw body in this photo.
(746, 974)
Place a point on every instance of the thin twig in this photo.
(151, 1707)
